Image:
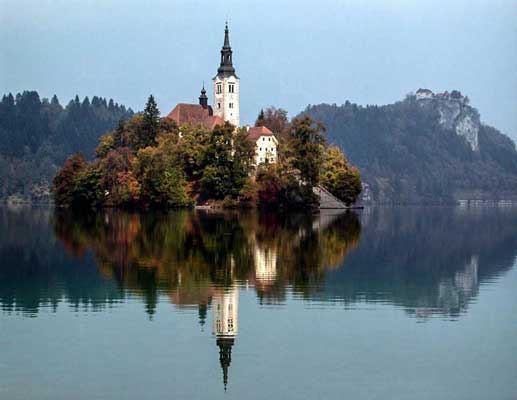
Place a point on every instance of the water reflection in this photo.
(188, 254)
(430, 262)
(427, 263)
(226, 325)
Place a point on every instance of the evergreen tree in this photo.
(260, 118)
(151, 123)
(55, 101)
(118, 136)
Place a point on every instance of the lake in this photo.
(384, 303)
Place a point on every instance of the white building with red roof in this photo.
(266, 144)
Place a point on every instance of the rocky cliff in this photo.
(455, 114)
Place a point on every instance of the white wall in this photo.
(225, 98)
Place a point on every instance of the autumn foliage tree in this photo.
(338, 177)
(65, 181)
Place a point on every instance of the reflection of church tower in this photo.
(265, 264)
(225, 307)
(202, 308)
(225, 356)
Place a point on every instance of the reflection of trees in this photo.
(187, 254)
(304, 250)
(428, 261)
(35, 272)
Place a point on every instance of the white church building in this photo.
(226, 107)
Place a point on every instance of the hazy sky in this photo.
(287, 54)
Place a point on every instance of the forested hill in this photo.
(424, 149)
(37, 135)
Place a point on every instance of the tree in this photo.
(303, 158)
(151, 123)
(118, 135)
(217, 182)
(275, 119)
(87, 192)
(243, 153)
(306, 149)
(269, 186)
(77, 184)
(260, 118)
(161, 178)
(65, 181)
(338, 177)
(112, 165)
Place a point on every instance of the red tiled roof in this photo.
(255, 132)
(194, 114)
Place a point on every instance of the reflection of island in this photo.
(404, 257)
(184, 253)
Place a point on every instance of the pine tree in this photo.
(151, 123)
(54, 101)
(118, 136)
(260, 118)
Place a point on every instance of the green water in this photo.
(385, 303)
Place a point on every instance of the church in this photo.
(226, 107)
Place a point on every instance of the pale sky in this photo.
(287, 53)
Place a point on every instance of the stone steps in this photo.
(328, 200)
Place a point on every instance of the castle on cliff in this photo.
(455, 113)
(226, 107)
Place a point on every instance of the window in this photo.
(219, 88)
(230, 325)
(218, 105)
(269, 139)
(261, 149)
(218, 326)
(231, 87)
(231, 105)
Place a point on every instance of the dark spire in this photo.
(226, 67)
(203, 99)
(202, 309)
(225, 356)
(226, 37)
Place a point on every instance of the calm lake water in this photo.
(386, 303)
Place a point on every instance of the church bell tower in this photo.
(226, 85)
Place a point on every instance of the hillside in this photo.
(427, 149)
(36, 136)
